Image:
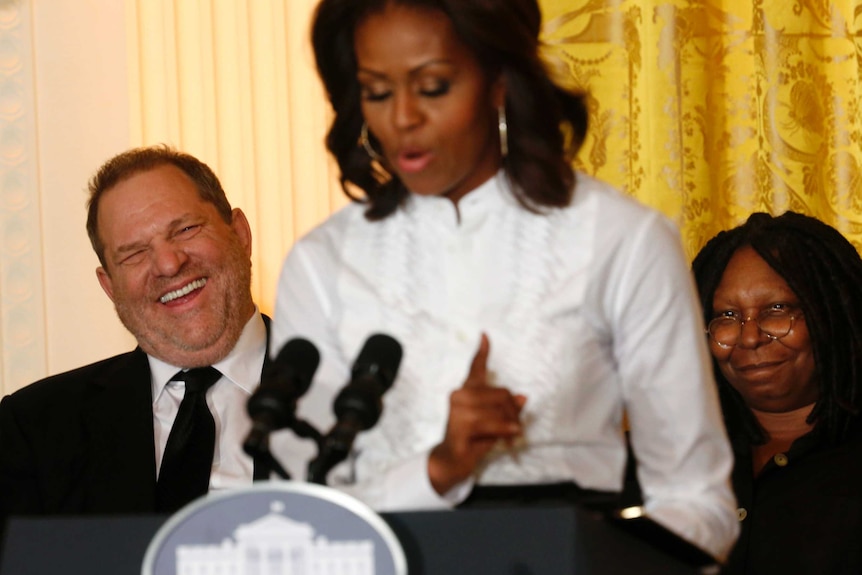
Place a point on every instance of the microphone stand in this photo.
(265, 462)
(333, 449)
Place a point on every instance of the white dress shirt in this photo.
(590, 311)
(227, 399)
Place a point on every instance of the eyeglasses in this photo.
(776, 322)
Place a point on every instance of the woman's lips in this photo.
(412, 161)
(758, 371)
(756, 366)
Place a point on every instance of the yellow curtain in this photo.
(233, 83)
(709, 110)
(705, 109)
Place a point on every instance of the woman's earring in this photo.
(503, 128)
(366, 144)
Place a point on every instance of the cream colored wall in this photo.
(233, 83)
(64, 110)
(82, 119)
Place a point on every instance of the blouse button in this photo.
(741, 513)
(780, 459)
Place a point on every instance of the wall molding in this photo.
(22, 315)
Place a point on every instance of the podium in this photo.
(504, 541)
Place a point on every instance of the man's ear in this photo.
(105, 281)
(242, 229)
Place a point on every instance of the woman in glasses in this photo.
(782, 298)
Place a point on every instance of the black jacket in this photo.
(81, 442)
(803, 513)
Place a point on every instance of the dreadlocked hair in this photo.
(824, 270)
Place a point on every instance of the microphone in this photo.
(273, 405)
(359, 404)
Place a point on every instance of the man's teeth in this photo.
(170, 296)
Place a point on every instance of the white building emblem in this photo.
(277, 545)
(275, 528)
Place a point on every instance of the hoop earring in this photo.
(366, 144)
(503, 128)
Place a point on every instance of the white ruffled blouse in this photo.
(590, 311)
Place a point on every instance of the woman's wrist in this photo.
(443, 472)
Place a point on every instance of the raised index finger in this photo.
(478, 375)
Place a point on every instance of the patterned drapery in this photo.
(709, 110)
(705, 109)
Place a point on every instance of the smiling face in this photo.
(178, 274)
(774, 375)
(427, 101)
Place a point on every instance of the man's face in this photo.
(178, 274)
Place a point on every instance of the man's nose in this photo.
(168, 259)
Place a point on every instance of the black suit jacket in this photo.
(81, 442)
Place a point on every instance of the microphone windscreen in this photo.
(296, 362)
(379, 357)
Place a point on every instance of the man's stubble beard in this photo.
(168, 341)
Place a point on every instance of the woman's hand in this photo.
(479, 416)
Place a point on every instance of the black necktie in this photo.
(188, 458)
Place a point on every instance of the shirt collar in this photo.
(242, 365)
(494, 193)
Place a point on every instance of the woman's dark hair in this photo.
(547, 124)
(824, 270)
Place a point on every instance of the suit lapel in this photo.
(118, 420)
(121, 455)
